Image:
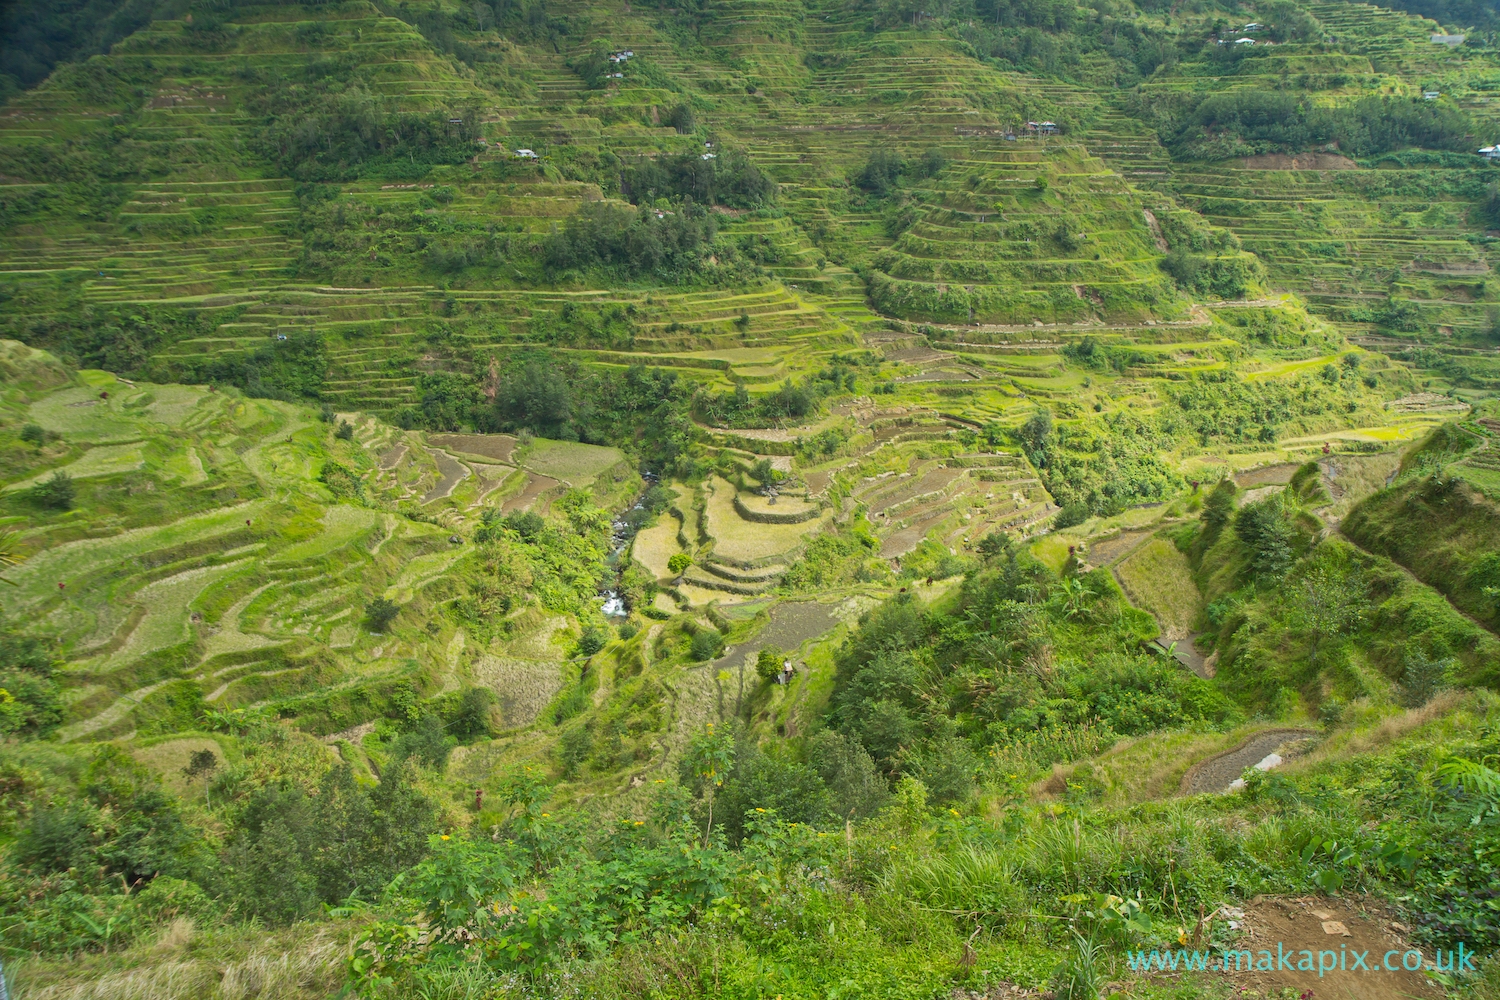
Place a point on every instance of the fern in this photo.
(1472, 776)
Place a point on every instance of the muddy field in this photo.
(496, 446)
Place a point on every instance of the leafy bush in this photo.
(632, 243)
(1070, 515)
(56, 492)
(30, 701)
(729, 178)
(591, 640)
(1242, 122)
(1224, 277)
(327, 129)
(380, 613)
(706, 644)
(768, 661)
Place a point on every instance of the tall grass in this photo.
(316, 970)
(1034, 750)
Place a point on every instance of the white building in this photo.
(1490, 152)
(526, 154)
(1452, 41)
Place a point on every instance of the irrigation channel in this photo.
(622, 530)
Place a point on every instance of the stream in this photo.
(622, 530)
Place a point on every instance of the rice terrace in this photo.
(749, 499)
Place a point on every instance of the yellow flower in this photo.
(759, 810)
(445, 836)
(640, 822)
(545, 815)
(953, 811)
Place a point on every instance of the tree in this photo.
(56, 493)
(592, 640)
(10, 553)
(681, 118)
(768, 662)
(200, 767)
(708, 762)
(1423, 677)
(706, 644)
(380, 613)
(1218, 508)
(1267, 529)
(1035, 434)
(472, 720)
(1071, 514)
(1332, 604)
(996, 545)
(679, 562)
(855, 787)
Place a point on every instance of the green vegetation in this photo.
(744, 500)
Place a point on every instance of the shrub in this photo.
(1422, 677)
(380, 613)
(573, 748)
(679, 562)
(1268, 530)
(706, 644)
(1071, 514)
(33, 434)
(55, 493)
(768, 663)
(591, 640)
(471, 721)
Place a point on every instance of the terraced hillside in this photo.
(838, 238)
(221, 549)
(794, 498)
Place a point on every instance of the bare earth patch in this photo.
(1302, 161)
(1337, 929)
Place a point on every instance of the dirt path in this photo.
(1214, 774)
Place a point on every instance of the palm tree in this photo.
(10, 553)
